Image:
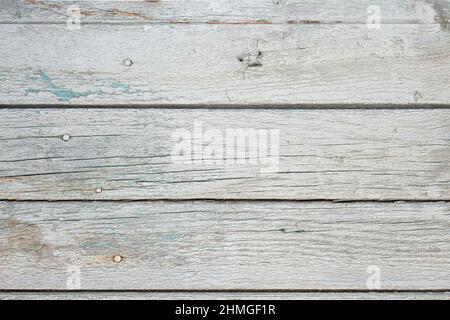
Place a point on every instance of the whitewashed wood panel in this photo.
(120, 154)
(224, 296)
(224, 245)
(226, 12)
(234, 65)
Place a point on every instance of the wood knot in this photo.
(251, 60)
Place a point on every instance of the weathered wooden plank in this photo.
(231, 65)
(225, 296)
(227, 12)
(224, 245)
(120, 154)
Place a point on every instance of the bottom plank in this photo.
(224, 245)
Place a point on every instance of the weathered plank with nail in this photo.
(224, 245)
(233, 65)
(120, 154)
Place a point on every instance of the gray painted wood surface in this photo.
(128, 154)
(277, 58)
(224, 245)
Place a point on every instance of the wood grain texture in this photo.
(234, 65)
(224, 296)
(225, 12)
(127, 153)
(224, 245)
(239, 53)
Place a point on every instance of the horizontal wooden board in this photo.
(121, 154)
(223, 12)
(224, 245)
(234, 65)
(224, 296)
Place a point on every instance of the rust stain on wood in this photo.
(42, 4)
(9, 179)
(117, 12)
(185, 21)
(24, 237)
(88, 13)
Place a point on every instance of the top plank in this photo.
(235, 53)
(227, 12)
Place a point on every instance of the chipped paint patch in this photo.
(66, 95)
(119, 85)
(61, 93)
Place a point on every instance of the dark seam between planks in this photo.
(443, 290)
(188, 200)
(265, 106)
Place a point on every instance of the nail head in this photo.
(127, 62)
(117, 259)
(66, 137)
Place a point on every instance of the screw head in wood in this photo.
(117, 259)
(98, 190)
(66, 137)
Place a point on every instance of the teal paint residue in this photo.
(66, 95)
(169, 237)
(61, 93)
(119, 85)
